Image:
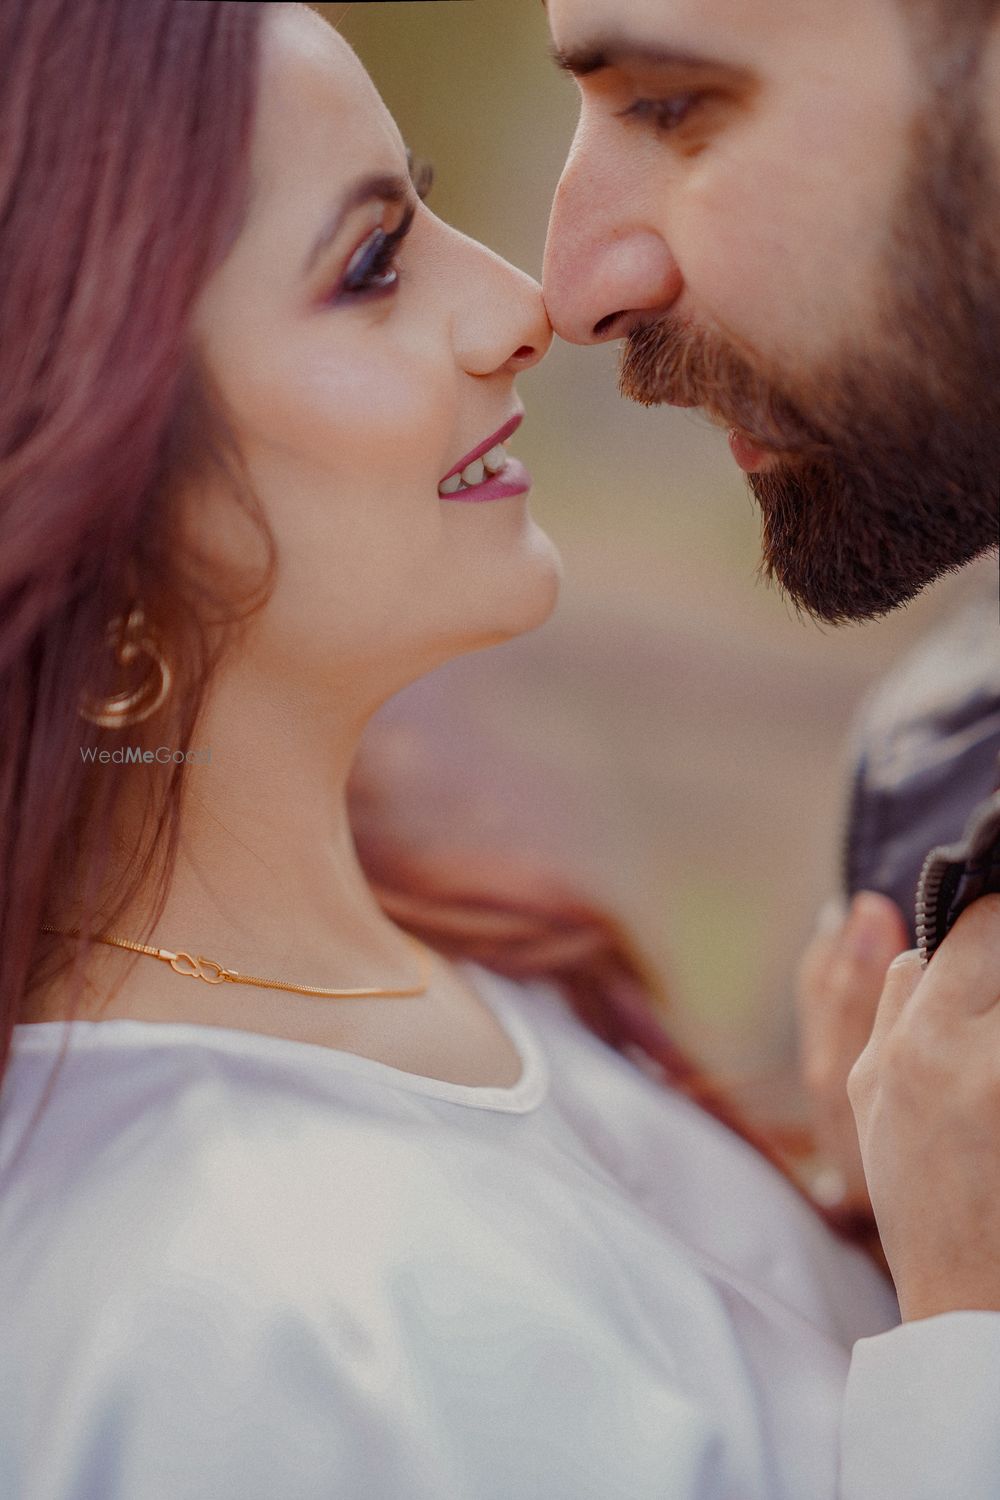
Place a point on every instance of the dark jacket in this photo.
(926, 750)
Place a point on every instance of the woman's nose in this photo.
(506, 327)
(603, 274)
(533, 328)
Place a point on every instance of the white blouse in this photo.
(237, 1267)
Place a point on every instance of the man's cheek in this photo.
(757, 268)
(740, 277)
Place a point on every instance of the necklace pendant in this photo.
(198, 968)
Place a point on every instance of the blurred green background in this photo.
(674, 737)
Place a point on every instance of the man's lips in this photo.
(751, 456)
(500, 436)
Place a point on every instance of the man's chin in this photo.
(838, 584)
(833, 601)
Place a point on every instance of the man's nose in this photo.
(603, 273)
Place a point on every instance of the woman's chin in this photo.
(523, 602)
(533, 603)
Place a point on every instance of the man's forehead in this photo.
(735, 27)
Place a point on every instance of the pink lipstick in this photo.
(487, 472)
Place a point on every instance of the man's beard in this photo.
(889, 469)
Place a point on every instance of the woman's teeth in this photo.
(495, 459)
(474, 473)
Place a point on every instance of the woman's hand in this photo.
(926, 1096)
(839, 983)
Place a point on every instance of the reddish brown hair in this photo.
(126, 133)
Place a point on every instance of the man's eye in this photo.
(663, 114)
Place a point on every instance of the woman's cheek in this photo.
(363, 416)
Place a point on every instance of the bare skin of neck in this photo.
(268, 882)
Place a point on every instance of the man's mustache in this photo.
(665, 362)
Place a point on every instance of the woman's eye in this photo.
(663, 114)
(372, 271)
(371, 268)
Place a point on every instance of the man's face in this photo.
(789, 210)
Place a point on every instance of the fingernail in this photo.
(904, 958)
(865, 926)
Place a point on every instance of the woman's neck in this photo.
(267, 878)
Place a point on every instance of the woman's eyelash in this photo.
(371, 268)
(421, 174)
(664, 114)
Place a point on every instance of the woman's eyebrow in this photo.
(626, 53)
(379, 187)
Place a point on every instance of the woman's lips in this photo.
(487, 472)
(500, 436)
(512, 479)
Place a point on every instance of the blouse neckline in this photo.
(130, 1032)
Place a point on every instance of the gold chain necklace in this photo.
(213, 973)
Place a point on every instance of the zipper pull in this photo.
(955, 875)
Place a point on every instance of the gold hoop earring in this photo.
(129, 639)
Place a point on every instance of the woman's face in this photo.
(358, 378)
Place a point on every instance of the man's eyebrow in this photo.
(386, 187)
(625, 53)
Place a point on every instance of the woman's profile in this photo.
(322, 1172)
